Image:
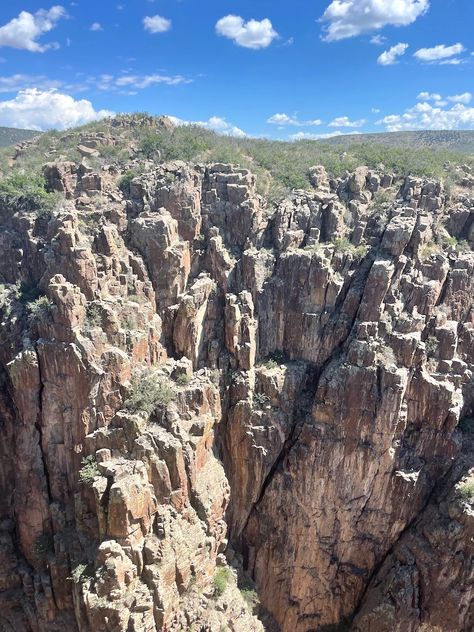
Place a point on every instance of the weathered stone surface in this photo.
(61, 177)
(181, 394)
(426, 582)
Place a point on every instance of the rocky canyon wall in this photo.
(213, 396)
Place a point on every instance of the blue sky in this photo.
(297, 69)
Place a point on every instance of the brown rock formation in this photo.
(207, 393)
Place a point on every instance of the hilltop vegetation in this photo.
(279, 166)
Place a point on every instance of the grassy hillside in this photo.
(462, 141)
(10, 136)
(279, 166)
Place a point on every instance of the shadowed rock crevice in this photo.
(388, 590)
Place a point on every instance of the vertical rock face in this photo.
(211, 395)
(426, 581)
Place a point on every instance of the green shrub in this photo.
(221, 580)
(89, 470)
(359, 252)
(89, 224)
(39, 310)
(431, 346)
(382, 199)
(149, 146)
(215, 377)
(250, 597)
(114, 153)
(428, 250)
(463, 246)
(449, 183)
(27, 192)
(261, 400)
(466, 490)
(183, 379)
(187, 142)
(447, 241)
(270, 364)
(81, 573)
(344, 246)
(148, 393)
(93, 316)
(135, 298)
(125, 180)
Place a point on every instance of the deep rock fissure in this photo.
(435, 490)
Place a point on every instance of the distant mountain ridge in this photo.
(462, 141)
(11, 136)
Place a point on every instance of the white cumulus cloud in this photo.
(438, 53)
(47, 109)
(455, 61)
(17, 82)
(214, 123)
(309, 136)
(426, 115)
(220, 125)
(23, 31)
(348, 18)
(465, 97)
(141, 81)
(378, 40)
(96, 26)
(389, 57)
(439, 101)
(344, 121)
(252, 34)
(429, 96)
(285, 119)
(124, 83)
(306, 136)
(156, 24)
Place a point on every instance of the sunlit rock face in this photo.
(214, 395)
